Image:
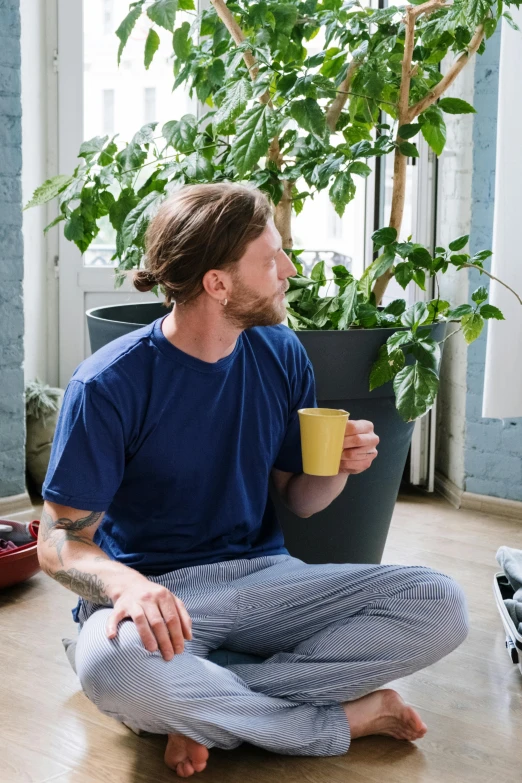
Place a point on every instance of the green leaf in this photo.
(181, 134)
(384, 236)
(481, 256)
(435, 135)
(427, 352)
(456, 105)
(459, 243)
(348, 305)
(414, 315)
(490, 311)
(404, 274)
(298, 282)
(341, 272)
(490, 25)
(163, 12)
(458, 312)
(309, 115)
(419, 277)
(181, 42)
(342, 191)
(420, 256)
(151, 46)
(320, 316)
(511, 22)
(459, 258)
(92, 147)
(125, 29)
(318, 273)
(386, 367)
(475, 11)
(409, 149)
(236, 98)
(404, 249)
(133, 155)
(480, 295)
(397, 307)
(198, 166)
(367, 315)
(383, 262)
(49, 190)
(399, 338)
(252, 137)
(300, 319)
(53, 223)
(127, 200)
(137, 219)
(74, 229)
(472, 325)
(360, 168)
(415, 389)
(435, 308)
(408, 131)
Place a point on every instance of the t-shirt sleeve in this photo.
(88, 450)
(289, 458)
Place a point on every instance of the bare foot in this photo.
(185, 756)
(384, 712)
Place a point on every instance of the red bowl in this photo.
(17, 565)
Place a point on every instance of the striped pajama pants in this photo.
(329, 633)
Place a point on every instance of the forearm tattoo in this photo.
(57, 531)
(89, 586)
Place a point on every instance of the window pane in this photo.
(119, 100)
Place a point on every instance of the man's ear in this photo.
(217, 283)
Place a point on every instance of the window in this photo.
(108, 112)
(149, 105)
(130, 102)
(108, 21)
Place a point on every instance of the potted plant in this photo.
(278, 116)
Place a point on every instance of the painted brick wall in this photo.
(493, 451)
(12, 408)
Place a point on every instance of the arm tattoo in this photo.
(87, 585)
(51, 530)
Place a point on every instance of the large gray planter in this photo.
(354, 528)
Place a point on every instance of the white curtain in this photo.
(503, 374)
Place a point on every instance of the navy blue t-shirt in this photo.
(178, 451)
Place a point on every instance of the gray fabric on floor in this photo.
(510, 560)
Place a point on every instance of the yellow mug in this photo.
(322, 437)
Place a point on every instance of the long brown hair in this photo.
(200, 227)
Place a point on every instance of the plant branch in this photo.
(449, 77)
(228, 19)
(449, 335)
(334, 110)
(484, 271)
(400, 161)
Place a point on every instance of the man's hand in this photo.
(160, 617)
(359, 449)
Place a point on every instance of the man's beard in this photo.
(246, 309)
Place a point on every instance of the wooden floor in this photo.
(471, 700)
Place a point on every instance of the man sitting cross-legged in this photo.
(157, 514)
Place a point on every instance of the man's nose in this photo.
(289, 270)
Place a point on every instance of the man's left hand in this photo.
(359, 449)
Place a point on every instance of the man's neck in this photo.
(197, 331)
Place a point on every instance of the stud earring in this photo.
(224, 302)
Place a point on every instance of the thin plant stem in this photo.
(480, 269)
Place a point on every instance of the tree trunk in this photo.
(283, 215)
